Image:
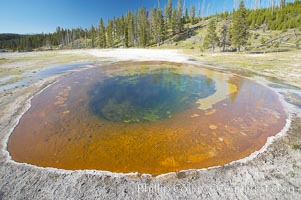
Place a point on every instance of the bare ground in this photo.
(273, 174)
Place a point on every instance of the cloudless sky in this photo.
(37, 16)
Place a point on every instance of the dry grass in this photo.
(285, 66)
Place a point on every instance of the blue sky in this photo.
(37, 16)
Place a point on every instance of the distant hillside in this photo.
(9, 36)
(268, 29)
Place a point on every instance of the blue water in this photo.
(155, 95)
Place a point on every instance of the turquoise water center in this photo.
(154, 95)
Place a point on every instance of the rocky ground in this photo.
(273, 173)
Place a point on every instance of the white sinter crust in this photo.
(273, 172)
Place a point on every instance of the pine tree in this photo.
(131, 28)
(173, 24)
(161, 26)
(142, 27)
(186, 18)
(92, 36)
(168, 12)
(157, 26)
(153, 25)
(109, 30)
(225, 35)
(192, 14)
(119, 29)
(239, 30)
(101, 35)
(125, 32)
(212, 36)
(179, 22)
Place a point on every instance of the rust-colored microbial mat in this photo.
(148, 117)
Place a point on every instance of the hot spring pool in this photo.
(147, 117)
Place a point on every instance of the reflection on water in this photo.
(146, 117)
(8, 83)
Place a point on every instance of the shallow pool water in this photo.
(150, 117)
(7, 83)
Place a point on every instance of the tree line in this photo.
(153, 27)
(234, 32)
